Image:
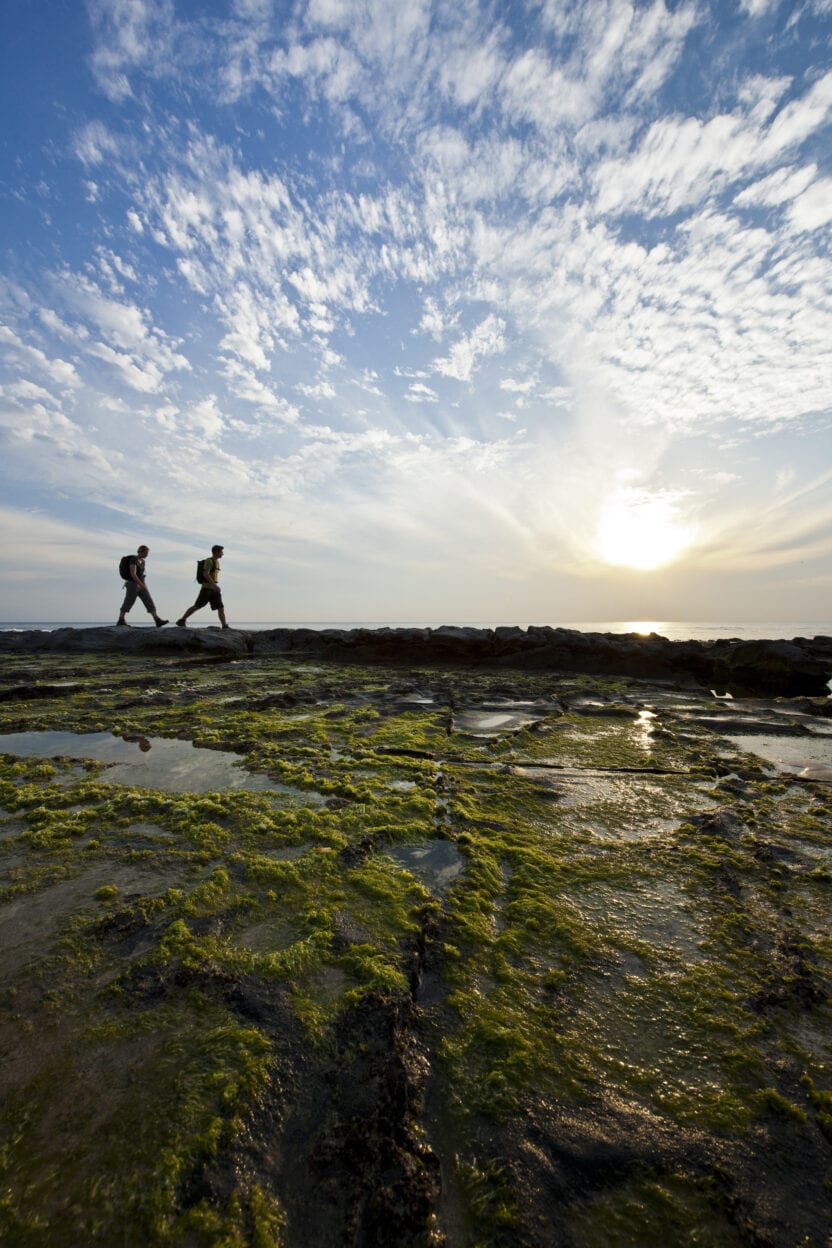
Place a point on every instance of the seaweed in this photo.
(611, 1027)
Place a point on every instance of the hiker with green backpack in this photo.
(131, 571)
(207, 571)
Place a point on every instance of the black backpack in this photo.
(200, 571)
(124, 566)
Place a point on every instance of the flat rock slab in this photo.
(562, 983)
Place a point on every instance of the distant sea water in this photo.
(674, 630)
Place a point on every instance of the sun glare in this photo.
(641, 531)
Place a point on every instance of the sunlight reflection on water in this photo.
(810, 758)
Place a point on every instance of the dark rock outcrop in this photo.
(170, 642)
(801, 667)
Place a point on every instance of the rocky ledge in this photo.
(800, 667)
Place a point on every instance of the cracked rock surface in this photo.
(409, 954)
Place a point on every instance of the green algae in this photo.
(627, 943)
(659, 1209)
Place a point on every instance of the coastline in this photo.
(672, 630)
(800, 666)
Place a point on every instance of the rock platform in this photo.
(800, 667)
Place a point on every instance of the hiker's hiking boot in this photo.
(181, 624)
(161, 623)
(122, 624)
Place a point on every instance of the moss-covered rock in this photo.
(236, 1017)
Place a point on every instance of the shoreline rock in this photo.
(801, 667)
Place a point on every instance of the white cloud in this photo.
(53, 322)
(205, 419)
(467, 353)
(681, 161)
(63, 452)
(246, 385)
(28, 392)
(418, 392)
(813, 208)
(143, 376)
(143, 354)
(131, 34)
(95, 144)
(318, 390)
(518, 387)
(778, 187)
(436, 321)
(615, 47)
(61, 371)
(757, 8)
(249, 337)
(798, 119)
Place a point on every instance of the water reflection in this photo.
(809, 758)
(151, 762)
(436, 865)
(644, 627)
(644, 729)
(492, 723)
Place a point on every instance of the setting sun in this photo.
(641, 531)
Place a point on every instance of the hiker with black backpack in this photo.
(207, 571)
(131, 571)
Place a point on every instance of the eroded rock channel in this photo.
(439, 957)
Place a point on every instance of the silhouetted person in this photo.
(207, 571)
(131, 569)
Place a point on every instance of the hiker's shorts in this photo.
(210, 597)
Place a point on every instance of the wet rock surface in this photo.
(517, 958)
(802, 666)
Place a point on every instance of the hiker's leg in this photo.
(130, 594)
(200, 602)
(144, 595)
(218, 605)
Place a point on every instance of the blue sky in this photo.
(441, 311)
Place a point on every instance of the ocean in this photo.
(674, 630)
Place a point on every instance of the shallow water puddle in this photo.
(436, 865)
(151, 762)
(492, 723)
(268, 935)
(10, 825)
(811, 759)
(287, 853)
(148, 830)
(30, 922)
(621, 807)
